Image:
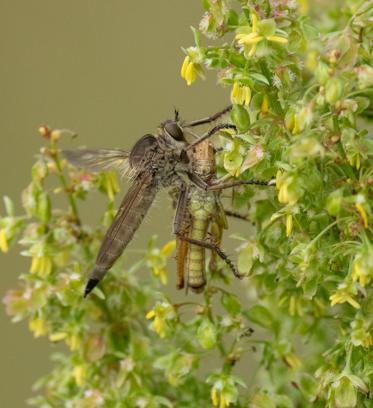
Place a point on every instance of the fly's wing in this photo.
(96, 160)
(131, 212)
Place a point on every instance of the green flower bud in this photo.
(240, 118)
(322, 73)
(345, 395)
(334, 90)
(290, 120)
(207, 334)
(334, 202)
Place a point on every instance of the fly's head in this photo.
(173, 139)
(173, 130)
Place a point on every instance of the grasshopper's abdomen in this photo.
(201, 207)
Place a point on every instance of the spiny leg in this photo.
(237, 215)
(209, 119)
(211, 132)
(236, 183)
(213, 247)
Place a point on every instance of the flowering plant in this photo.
(301, 89)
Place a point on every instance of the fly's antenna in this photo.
(177, 115)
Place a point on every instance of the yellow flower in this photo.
(162, 314)
(4, 247)
(159, 327)
(254, 21)
(157, 260)
(360, 335)
(73, 342)
(363, 214)
(289, 225)
(362, 267)
(277, 38)
(80, 374)
(214, 397)
(110, 184)
(38, 327)
(303, 6)
(295, 305)
(288, 193)
(168, 248)
(161, 273)
(265, 104)
(292, 361)
(188, 70)
(367, 341)
(218, 399)
(150, 314)
(252, 39)
(57, 336)
(41, 266)
(296, 128)
(240, 95)
(343, 295)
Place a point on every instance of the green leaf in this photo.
(259, 77)
(260, 315)
(230, 303)
(232, 18)
(207, 333)
(245, 260)
(197, 36)
(205, 4)
(44, 207)
(9, 206)
(240, 118)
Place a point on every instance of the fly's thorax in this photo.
(170, 159)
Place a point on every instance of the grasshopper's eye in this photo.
(174, 130)
(141, 147)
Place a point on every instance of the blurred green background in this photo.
(108, 70)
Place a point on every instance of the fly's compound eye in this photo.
(174, 130)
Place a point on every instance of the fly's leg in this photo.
(237, 215)
(181, 226)
(211, 132)
(213, 247)
(209, 119)
(229, 184)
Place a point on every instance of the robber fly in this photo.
(154, 162)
